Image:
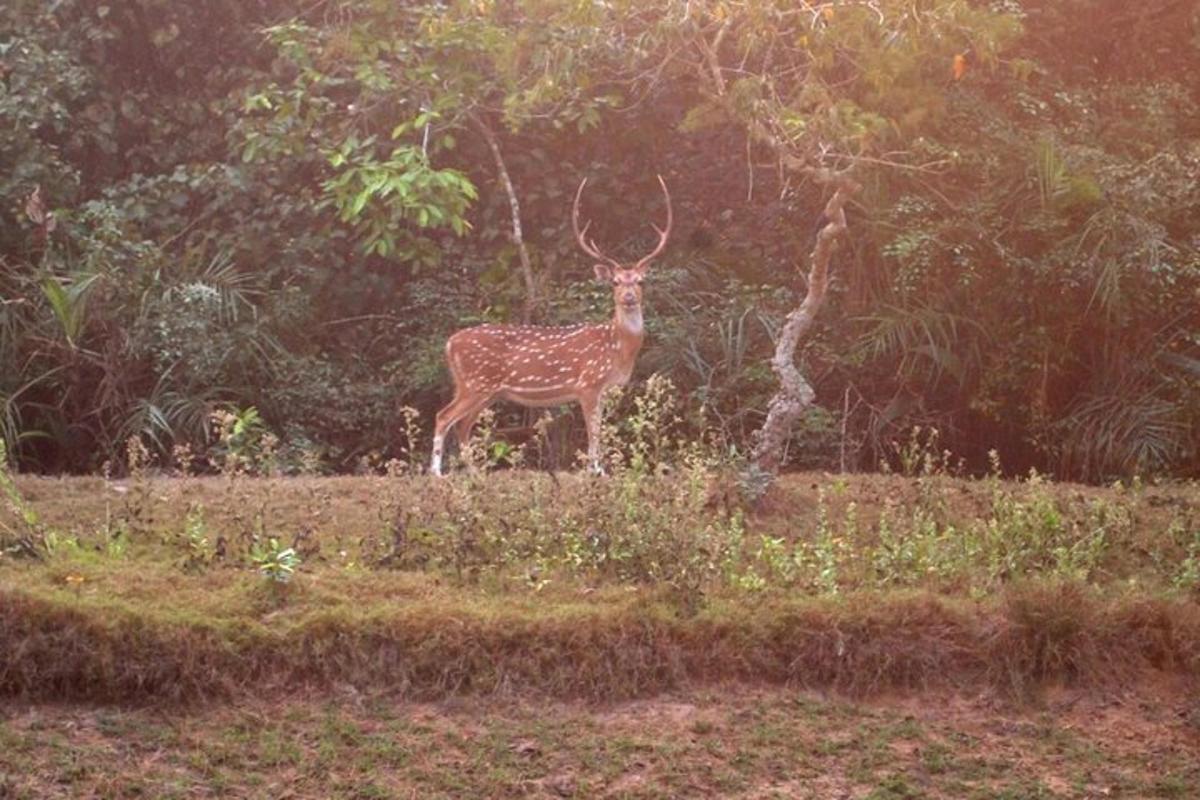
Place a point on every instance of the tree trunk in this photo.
(795, 395)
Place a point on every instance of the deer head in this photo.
(626, 280)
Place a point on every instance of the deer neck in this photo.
(628, 326)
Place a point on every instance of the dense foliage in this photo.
(279, 210)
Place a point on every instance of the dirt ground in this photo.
(738, 743)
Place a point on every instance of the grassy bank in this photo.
(565, 586)
(61, 646)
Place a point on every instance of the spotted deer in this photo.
(547, 366)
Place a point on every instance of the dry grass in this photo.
(60, 646)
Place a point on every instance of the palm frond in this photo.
(68, 302)
(234, 289)
(168, 414)
(1185, 364)
(1053, 178)
(1121, 434)
(927, 341)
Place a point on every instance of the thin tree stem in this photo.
(515, 205)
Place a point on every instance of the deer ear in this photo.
(604, 272)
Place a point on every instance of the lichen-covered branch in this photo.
(795, 394)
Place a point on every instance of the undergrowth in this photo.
(668, 551)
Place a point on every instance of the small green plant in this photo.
(410, 452)
(485, 451)
(654, 416)
(827, 551)
(274, 562)
(26, 535)
(637, 428)
(898, 556)
(197, 550)
(135, 514)
(116, 543)
(819, 560)
(777, 558)
(919, 456)
(1187, 579)
(244, 444)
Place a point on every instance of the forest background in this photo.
(277, 210)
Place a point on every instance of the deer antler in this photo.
(587, 244)
(663, 233)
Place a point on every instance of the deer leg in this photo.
(460, 408)
(462, 428)
(439, 437)
(591, 417)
